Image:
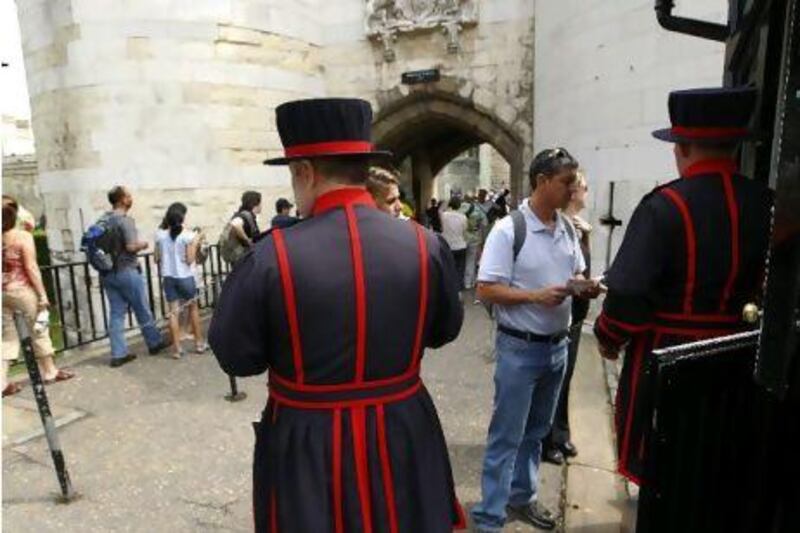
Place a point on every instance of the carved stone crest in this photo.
(388, 18)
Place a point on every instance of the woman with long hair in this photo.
(23, 290)
(176, 251)
(244, 222)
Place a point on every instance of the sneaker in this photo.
(155, 350)
(201, 348)
(119, 361)
(533, 514)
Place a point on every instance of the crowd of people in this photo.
(347, 409)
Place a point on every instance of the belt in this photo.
(346, 395)
(555, 338)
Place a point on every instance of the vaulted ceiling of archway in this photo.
(442, 139)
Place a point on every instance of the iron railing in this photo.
(79, 310)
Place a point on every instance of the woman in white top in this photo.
(176, 251)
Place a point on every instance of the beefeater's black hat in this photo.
(325, 127)
(710, 115)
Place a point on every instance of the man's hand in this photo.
(549, 296)
(608, 352)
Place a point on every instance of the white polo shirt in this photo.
(548, 258)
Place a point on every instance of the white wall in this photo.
(603, 71)
(15, 132)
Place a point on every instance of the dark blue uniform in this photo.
(692, 257)
(339, 309)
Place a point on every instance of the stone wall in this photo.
(177, 103)
(20, 181)
(492, 71)
(603, 72)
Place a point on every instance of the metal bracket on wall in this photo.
(610, 221)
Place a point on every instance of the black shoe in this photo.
(533, 514)
(569, 449)
(119, 361)
(155, 350)
(553, 455)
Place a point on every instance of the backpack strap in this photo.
(570, 228)
(520, 231)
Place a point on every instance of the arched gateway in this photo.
(432, 128)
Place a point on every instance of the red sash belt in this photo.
(308, 396)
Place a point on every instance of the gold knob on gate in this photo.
(751, 313)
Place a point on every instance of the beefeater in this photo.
(339, 309)
(693, 255)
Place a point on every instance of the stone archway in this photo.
(433, 128)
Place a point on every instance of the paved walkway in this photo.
(153, 446)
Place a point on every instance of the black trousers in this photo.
(460, 258)
(559, 432)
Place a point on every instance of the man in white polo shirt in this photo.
(531, 291)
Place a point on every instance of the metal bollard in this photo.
(235, 395)
(67, 493)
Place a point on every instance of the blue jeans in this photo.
(527, 381)
(126, 288)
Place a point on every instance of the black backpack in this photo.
(103, 242)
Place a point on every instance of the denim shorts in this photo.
(179, 289)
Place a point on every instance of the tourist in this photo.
(532, 302)
(476, 228)
(125, 285)
(283, 214)
(175, 252)
(23, 290)
(244, 223)
(336, 308)
(557, 446)
(25, 219)
(434, 216)
(384, 187)
(408, 210)
(454, 231)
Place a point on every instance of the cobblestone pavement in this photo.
(157, 448)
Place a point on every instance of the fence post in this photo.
(67, 493)
(235, 395)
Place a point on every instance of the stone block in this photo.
(239, 35)
(139, 48)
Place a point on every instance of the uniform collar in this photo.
(711, 166)
(342, 198)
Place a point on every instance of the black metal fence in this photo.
(79, 309)
(723, 453)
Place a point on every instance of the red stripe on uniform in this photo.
(733, 214)
(361, 298)
(423, 296)
(343, 404)
(601, 323)
(273, 512)
(698, 318)
(290, 303)
(706, 133)
(638, 354)
(328, 148)
(336, 461)
(632, 328)
(691, 247)
(359, 425)
(344, 387)
(386, 468)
